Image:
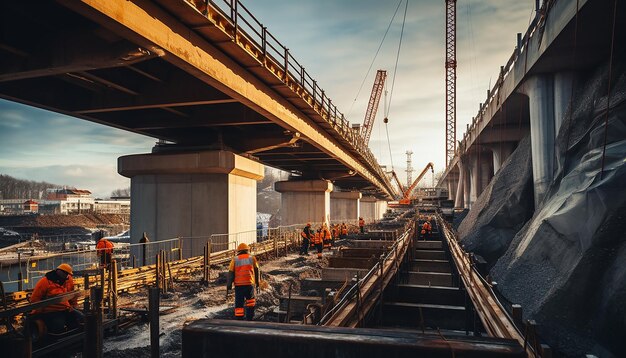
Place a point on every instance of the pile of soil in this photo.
(79, 220)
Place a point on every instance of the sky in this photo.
(336, 42)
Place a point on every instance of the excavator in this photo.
(407, 193)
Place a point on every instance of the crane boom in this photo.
(407, 193)
(400, 186)
(372, 106)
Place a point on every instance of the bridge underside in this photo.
(60, 60)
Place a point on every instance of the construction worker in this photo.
(104, 249)
(326, 236)
(244, 272)
(426, 229)
(343, 231)
(335, 234)
(60, 316)
(362, 225)
(306, 239)
(319, 242)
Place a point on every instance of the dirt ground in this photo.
(80, 220)
(195, 301)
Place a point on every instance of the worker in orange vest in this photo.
(319, 242)
(362, 225)
(59, 316)
(104, 249)
(335, 234)
(244, 272)
(326, 236)
(426, 228)
(344, 231)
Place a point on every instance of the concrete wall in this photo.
(345, 206)
(372, 208)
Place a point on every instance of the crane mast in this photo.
(450, 80)
(372, 106)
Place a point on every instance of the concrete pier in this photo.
(372, 208)
(458, 200)
(191, 195)
(304, 200)
(539, 90)
(345, 205)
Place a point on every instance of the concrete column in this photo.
(191, 195)
(458, 200)
(500, 152)
(474, 184)
(563, 82)
(539, 90)
(381, 208)
(466, 187)
(486, 170)
(372, 208)
(304, 200)
(344, 205)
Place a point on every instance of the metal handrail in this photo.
(354, 288)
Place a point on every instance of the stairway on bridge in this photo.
(427, 294)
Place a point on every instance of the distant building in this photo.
(30, 206)
(65, 201)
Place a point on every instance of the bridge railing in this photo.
(247, 31)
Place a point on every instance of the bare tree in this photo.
(125, 192)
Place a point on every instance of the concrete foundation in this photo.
(191, 195)
(345, 205)
(304, 200)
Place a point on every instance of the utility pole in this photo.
(409, 168)
(450, 80)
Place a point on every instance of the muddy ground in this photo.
(195, 301)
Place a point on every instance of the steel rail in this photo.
(491, 312)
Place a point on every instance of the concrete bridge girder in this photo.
(146, 24)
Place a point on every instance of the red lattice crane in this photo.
(450, 80)
(372, 106)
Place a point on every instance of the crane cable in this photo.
(374, 59)
(393, 82)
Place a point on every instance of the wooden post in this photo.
(158, 271)
(113, 291)
(204, 263)
(93, 326)
(20, 280)
(516, 312)
(208, 263)
(86, 304)
(180, 248)
(275, 246)
(153, 309)
(134, 261)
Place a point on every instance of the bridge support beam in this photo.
(372, 208)
(500, 152)
(474, 168)
(191, 195)
(304, 200)
(539, 90)
(345, 205)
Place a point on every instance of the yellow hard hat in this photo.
(243, 246)
(65, 267)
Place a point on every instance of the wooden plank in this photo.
(351, 262)
(341, 274)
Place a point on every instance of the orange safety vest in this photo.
(317, 239)
(361, 222)
(326, 234)
(335, 232)
(426, 226)
(104, 246)
(243, 265)
(344, 230)
(47, 288)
